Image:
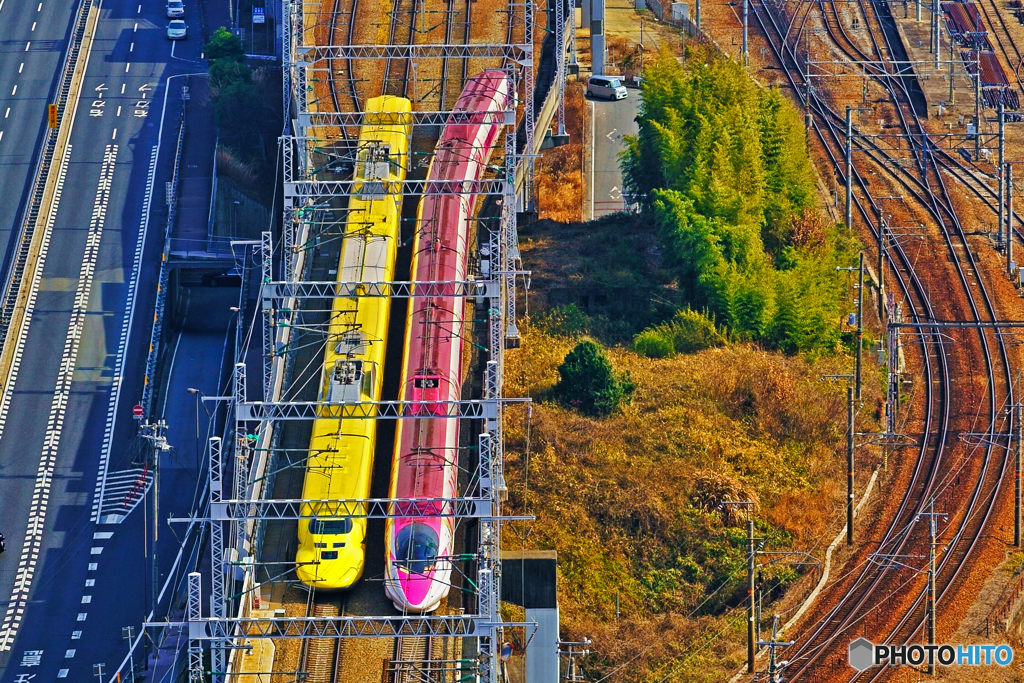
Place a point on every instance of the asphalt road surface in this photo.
(68, 585)
(612, 120)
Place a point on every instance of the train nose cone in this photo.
(416, 587)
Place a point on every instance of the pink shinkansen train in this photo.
(419, 548)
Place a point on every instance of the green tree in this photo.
(237, 109)
(225, 71)
(588, 382)
(224, 45)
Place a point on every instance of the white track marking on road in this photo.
(102, 535)
(14, 91)
(136, 27)
(38, 9)
(2, 3)
(131, 48)
(113, 136)
(61, 394)
(33, 26)
(133, 285)
(1, 135)
(68, 654)
(7, 113)
(20, 68)
(27, 45)
(127, 66)
(93, 566)
(118, 110)
(90, 583)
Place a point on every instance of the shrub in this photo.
(588, 382)
(654, 343)
(687, 332)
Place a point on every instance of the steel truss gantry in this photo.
(240, 505)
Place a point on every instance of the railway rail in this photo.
(320, 658)
(930, 191)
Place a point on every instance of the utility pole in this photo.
(849, 167)
(1017, 473)
(746, 57)
(977, 105)
(750, 592)
(882, 225)
(155, 434)
(952, 101)
(1009, 219)
(849, 464)
(697, 15)
(936, 11)
(1001, 171)
(775, 670)
(932, 545)
(860, 321)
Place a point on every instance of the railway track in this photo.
(815, 647)
(320, 658)
(1013, 60)
(401, 31)
(346, 36)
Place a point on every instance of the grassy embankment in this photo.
(632, 502)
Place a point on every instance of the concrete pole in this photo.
(1001, 169)
(977, 105)
(1009, 218)
(952, 99)
(697, 15)
(1017, 475)
(849, 168)
(931, 591)
(746, 56)
(585, 19)
(881, 269)
(938, 36)
(750, 592)
(849, 465)
(597, 38)
(860, 321)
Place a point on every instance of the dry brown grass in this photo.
(630, 502)
(560, 169)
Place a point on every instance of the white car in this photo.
(177, 30)
(175, 8)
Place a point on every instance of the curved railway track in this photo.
(348, 36)
(812, 648)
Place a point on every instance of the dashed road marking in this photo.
(69, 654)
(76, 635)
(89, 583)
(82, 616)
(93, 566)
(86, 599)
(102, 535)
(63, 673)
(96, 551)
(61, 394)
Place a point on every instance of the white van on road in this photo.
(608, 87)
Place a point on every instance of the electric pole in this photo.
(932, 545)
(860, 321)
(1001, 171)
(1009, 218)
(751, 556)
(849, 465)
(1017, 474)
(849, 168)
(775, 670)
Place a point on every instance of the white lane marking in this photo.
(136, 27)
(1, 135)
(7, 113)
(131, 48)
(82, 616)
(69, 654)
(89, 583)
(114, 135)
(14, 91)
(27, 45)
(86, 599)
(61, 395)
(118, 110)
(93, 566)
(38, 9)
(122, 87)
(102, 535)
(76, 635)
(126, 330)
(33, 26)
(139, 11)
(20, 68)
(2, 3)
(63, 673)
(126, 67)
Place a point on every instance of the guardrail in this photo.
(161, 288)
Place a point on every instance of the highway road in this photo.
(33, 39)
(611, 120)
(68, 585)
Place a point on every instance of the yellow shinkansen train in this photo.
(332, 542)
